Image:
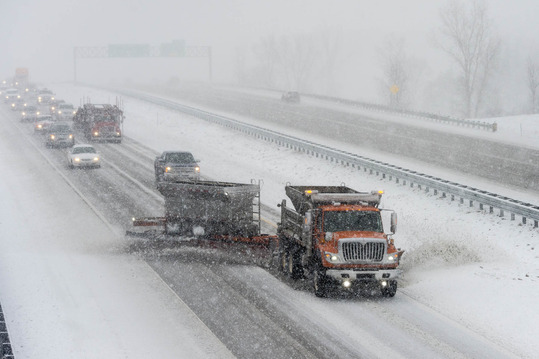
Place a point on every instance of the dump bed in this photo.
(220, 208)
(306, 197)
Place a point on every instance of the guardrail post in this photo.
(523, 220)
(501, 213)
(481, 206)
(491, 209)
(535, 223)
(461, 200)
(512, 216)
(452, 197)
(471, 203)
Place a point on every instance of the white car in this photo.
(83, 156)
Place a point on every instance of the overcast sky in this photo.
(41, 35)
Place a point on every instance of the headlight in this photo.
(393, 257)
(331, 257)
(197, 169)
(24, 113)
(70, 136)
(39, 126)
(52, 137)
(167, 169)
(96, 133)
(76, 159)
(96, 159)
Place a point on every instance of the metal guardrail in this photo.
(453, 189)
(419, 114)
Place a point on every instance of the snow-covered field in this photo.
(75, 294)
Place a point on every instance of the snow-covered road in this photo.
(470, 286)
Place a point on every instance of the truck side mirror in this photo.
(393, 228)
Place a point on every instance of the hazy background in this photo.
(41, 35)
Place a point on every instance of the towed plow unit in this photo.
(211, 215)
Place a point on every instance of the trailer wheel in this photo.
(320, 283)
(283, 261)
(295, 269)
(390, 290)
(172, 228)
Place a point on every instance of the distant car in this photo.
(17, 104)
(64, 111)
(291, 96)
(10, 94)
(45, 96)
(53, 105)
(60, 134)
(171, 165)
(83, 156)
(29, 114)
(43, 123)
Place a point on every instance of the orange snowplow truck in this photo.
(335, 236)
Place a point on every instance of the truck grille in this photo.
(359, 251)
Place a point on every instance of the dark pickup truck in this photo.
(172, 165)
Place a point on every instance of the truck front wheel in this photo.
(320, 283)
(390, 289)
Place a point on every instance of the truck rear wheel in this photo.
(390, 289)
(295, 269)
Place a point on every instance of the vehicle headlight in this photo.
(59, 112)
(96, 159)
(197, 169)
(393, 257)
(52, 137)
(76, 159)
(167, 169)
(96, 133)
(331, 257)
(24, 113)
(70, 136)
(39, 126)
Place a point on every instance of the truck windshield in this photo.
(339, 221)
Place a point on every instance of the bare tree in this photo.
(297, 58)
(533, 81)
(468, 38)
(395, 71)
(328, 49)
(267, 56)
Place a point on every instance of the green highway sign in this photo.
(175, 48)
(129, 50)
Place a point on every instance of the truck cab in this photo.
(335, 235)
